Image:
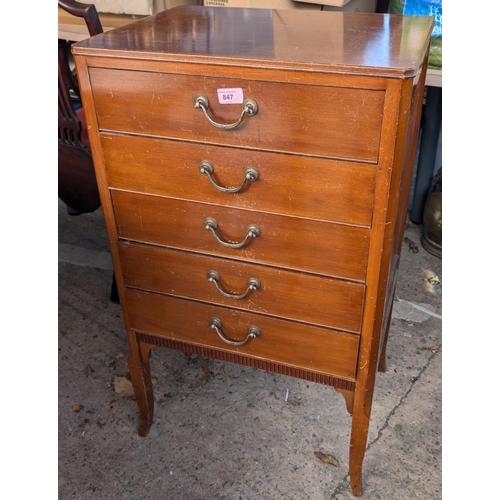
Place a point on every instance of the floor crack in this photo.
(415, 379)
(344, 483)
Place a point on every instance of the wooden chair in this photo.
(77, 181)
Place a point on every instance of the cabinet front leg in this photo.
(140, 375)
(359, 435)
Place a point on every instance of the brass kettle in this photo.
(433, 217)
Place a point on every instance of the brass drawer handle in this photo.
(214, 277)
(216, 324)
(252, 232)
(251, 174)
(249, 107)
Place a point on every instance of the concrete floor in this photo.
(222, 431)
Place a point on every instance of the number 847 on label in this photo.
(230, 96)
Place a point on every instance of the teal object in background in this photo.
(425, 8)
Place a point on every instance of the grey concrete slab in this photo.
(222, 431)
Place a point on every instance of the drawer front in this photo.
(320, 247)
(293, 344)
(297, 185)
(285, 294)
(335, 122)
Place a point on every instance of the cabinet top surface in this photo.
(390, 45)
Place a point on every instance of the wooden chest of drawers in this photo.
(254, 168)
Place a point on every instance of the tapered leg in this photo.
(359, 435)
(140, 375)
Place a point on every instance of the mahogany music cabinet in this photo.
(254, 168)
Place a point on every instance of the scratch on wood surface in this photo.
(140, 220)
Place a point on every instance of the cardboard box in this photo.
(354, 6)
(328, 28)
(135, 7)
(333, 3)
(139, 7)
(262, 4)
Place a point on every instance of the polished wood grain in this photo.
(355, 43)
(295, 185)
(316, 349)
(284, 294)
(335, 137)
(288, 242)
(163, 106)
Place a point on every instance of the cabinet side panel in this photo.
(408, 160)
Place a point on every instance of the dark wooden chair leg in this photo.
(72, 211)
(114, 291)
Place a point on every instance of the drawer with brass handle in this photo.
(289, 242)
(261, 289)
(321, 189)
(168, 105)
(317, 349)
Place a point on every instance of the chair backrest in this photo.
(87, 11)
(77, 182)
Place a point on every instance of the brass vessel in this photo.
(433, 218)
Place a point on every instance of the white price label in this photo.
(230, 96)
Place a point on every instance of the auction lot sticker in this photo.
(230, 96)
